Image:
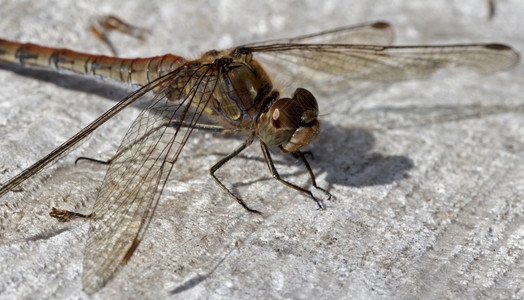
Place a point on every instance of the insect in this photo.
(229, 91)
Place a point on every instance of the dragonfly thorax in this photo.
(290, 123)
(241, 87)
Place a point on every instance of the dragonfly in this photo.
(229, 91)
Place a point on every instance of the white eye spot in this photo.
(276, 114)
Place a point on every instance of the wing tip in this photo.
(513, 57)
(381, 25)
(130, 251)
(501, 47)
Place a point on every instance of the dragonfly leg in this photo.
(302, 156)
(224, 160)
(65, 215)
(208, 127)
(103, 25)
(275, 175)
(169, 123)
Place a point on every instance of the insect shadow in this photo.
(72, 81)
(348, 157)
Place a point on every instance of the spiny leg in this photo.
(301, 155)
(224, 160)
(63, 215)
(102, 26)
(209, 127)
(275, 175)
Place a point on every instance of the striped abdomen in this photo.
(135, 71)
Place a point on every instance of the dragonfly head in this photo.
(290, 123)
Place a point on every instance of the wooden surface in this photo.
(428, 177)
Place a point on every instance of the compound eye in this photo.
(283, 114)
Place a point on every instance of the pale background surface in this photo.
(428, 176)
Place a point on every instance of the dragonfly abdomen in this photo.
(136, 71)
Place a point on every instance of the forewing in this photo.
(377, 33)
(385, 63)
(138, 173)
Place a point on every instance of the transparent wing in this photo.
(138, 172)
(377, 33)
(384, 63)
(20, 208)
